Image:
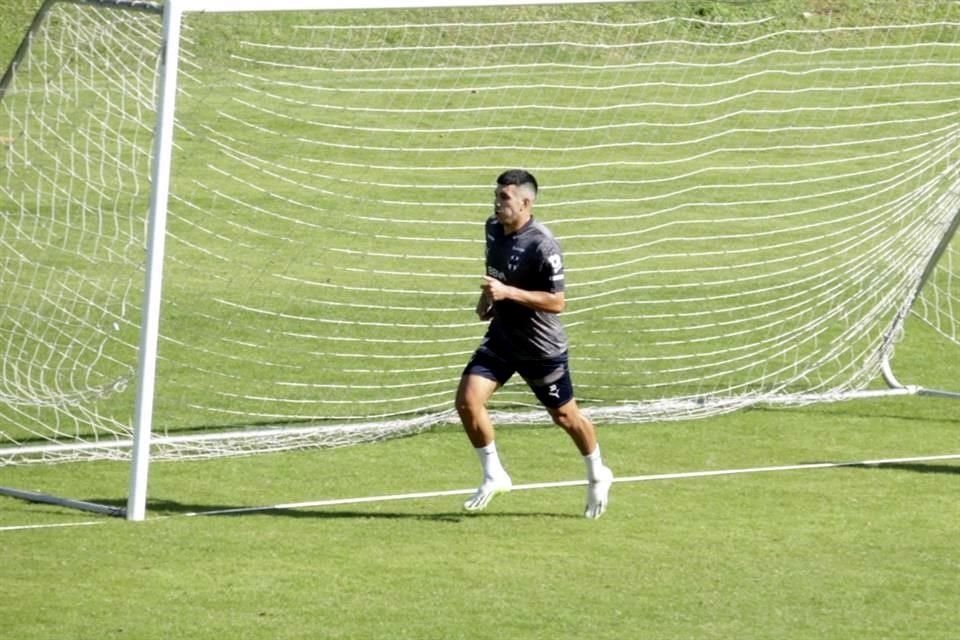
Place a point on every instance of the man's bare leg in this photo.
(471, 402)
(584, 435)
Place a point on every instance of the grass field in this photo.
(858, 552)
(686, 550)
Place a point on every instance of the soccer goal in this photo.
(236, 226)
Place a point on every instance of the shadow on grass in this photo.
(915, 467)
(881, 408)
(161, 508)
(169, 508)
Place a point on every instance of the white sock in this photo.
(490, 461)
(594, 463)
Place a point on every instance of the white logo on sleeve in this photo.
(556, 265)
(556, 262)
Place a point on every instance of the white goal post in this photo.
(243, 226)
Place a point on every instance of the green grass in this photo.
(848, 552)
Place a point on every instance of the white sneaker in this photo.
(598, 492)
(490, 488)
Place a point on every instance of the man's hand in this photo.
(493, 289)
(484, 307)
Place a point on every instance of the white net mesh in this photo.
(745, 205)
(76, 127)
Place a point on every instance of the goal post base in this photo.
(939, 393)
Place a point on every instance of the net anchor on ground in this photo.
(82, 505)
(896, 327)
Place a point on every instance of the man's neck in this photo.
(509, 231)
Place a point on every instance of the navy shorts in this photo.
(549, 379)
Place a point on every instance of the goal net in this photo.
(755, 202)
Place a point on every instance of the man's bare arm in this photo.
(538, 300)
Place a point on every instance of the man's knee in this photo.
(567, 416)
(464, 407)
(463, 403)
(472, 395)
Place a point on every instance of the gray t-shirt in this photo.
(528, 259)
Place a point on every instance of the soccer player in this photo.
(521, 294)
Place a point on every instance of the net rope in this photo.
(744, 204)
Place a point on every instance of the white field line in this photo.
(574, 483)
(683, 475)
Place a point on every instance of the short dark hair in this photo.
(517, 177)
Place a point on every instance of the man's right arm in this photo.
(551, 302)
(484, 307)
